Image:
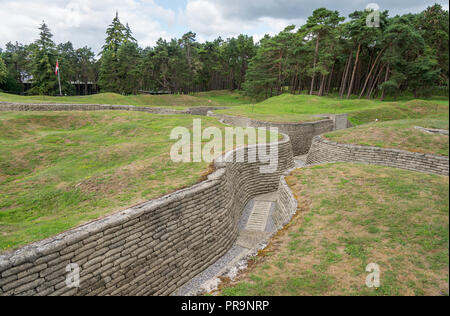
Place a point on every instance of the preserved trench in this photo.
(181, 243)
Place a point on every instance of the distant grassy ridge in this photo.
(298, 108)
(62, 169)
(400, 134)
(224, 97)
(285, 108)
(351, 216)
(217, 98)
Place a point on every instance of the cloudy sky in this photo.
(84, 21)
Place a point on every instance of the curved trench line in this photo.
(283, 206)
(286, 205)
(58, 107)
(326, 151)
(112, 251)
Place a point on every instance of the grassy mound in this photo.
(351, 216)
(224, 97)
(414, 109)
(397, 134)
(174, 101)
(298, 108)
(58, 170)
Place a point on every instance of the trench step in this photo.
(259, 216)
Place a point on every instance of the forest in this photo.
(329, 54)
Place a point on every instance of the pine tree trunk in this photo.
(316, 55)
(294, 82)
(300, 84)
(358, 79)
(386, 78)
(375, 83)
(378, 69)
(322, 86)
(371, 72)
(352, 81)
(331, 78)
(345, 76)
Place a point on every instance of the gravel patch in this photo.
(208, 279)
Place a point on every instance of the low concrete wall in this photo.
(287, 205)
(150, 249)
(301, 134)
(8, 106)
(325, 151)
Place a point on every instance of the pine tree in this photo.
(108, 79)
(263, 72)
(362, 37)
(411, 65)
(406, 53)
(128, 68)
(128, 35)
(43, 64)
(434, 23)
(67, 59)
(17, 59)
(116, 34)
(3, 71)
(85, 66)
(119, 60)
(318, 26)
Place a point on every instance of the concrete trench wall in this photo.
(301, 134)
(325, 151)
(156, 247)
(287, 204)
(8, 106)
(150, 249)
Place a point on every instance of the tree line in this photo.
(330, 54)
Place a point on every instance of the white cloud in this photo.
(209, 20)
(82, 21)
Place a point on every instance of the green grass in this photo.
(284, 108)
(298, 108)
(351, 216)
(223, 98)
(58, 170)
(397, 134)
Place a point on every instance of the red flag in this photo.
(57, 68)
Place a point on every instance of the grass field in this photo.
(284, 108)
(58, 170)
(224, 97)
(351, 216)
(297, 108)
(397, 134)
(217, 98)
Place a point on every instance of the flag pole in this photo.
(59, 79)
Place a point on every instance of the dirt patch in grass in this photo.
(353, 215)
